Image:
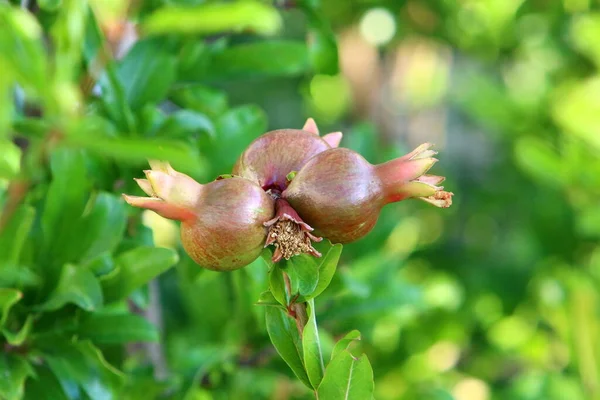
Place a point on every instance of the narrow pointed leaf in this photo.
(311, 346)
(8, 298)
(117, 329)
(76, 285)
(136, 268)
(15, 370)
(286, 339)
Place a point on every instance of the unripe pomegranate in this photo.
(341, 194)
(271, 157)
(222, 222)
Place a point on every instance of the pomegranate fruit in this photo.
(222, 222)
(341, 194)
(285, 183)
(272, 156)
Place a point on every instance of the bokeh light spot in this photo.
(378, 26)
(443, 356)
(329, 96)
(471, 389)
(164, 231)
(510, 332)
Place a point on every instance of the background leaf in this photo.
(214, 18)
(15, 370)
(117, 328)
(136, 268)
(76, 285)
(258, 59)
(8, 298)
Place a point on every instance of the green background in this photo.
(494, 298)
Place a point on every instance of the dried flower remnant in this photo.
(289, 234)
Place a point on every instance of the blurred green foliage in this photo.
(495, 298)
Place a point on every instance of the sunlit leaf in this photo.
(214, 18)
(10, 158)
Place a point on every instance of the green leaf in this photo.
(146, 73)
(10, 158)
(81, 365)
(14, 234)
(267, 299)
(68, 34)
(322, 44)
(304, 273)
(277, 285)
(201, 98)
(17, 338)
(103, 264)
(344, 343)
(583, 31)
(104, 226)
(114, 100)
(15, 370)
(8, 298)
(21, 49)
(137, 150)
(214, 18)
(235, 130)
(184, 124)
(348, 378)
(537, 158)
(286, 339)
(76, 285)
(18, 276)
(44, 385)
(136, 268)
(65, 202)
(311, 346)
(327, 266)
(252, 60)
(117, 329)
(49, 5)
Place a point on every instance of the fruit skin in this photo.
(272, 156)
(229, 232)
(222, 222)
(341, 194)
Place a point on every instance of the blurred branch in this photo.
(17, 190)
(155, 351)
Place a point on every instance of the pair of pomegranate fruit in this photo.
(287, 187)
